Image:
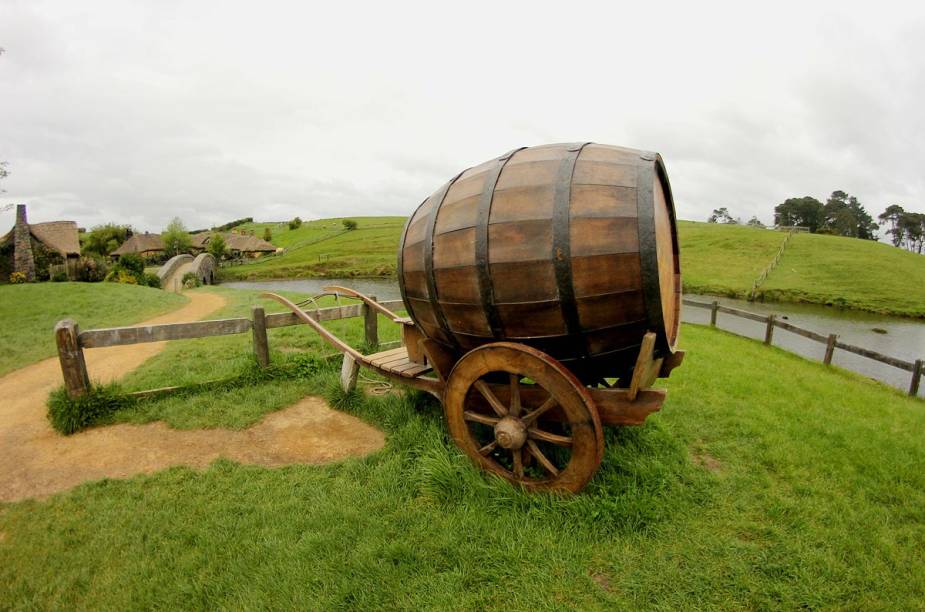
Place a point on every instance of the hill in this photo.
(715, 259)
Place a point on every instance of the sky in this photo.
(136, 112)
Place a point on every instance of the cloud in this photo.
(139, 112)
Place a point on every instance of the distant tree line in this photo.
(842, 215)
(907, 229)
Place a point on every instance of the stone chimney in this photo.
(22, 245)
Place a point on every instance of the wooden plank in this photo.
(697, 304)
(743, 313)
(644, 364)
(801, 332)
(117, 336)
(261, 342)
(284, 319)
(71, 356)
(863, 352)
(349, 370)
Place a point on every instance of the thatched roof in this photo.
(140, 243)
(59, 236)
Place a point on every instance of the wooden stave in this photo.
(608, 341)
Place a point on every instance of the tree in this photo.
(217, 246)
(104, 239)
(892, 215)
(3, 171)
(176, 238)
(755, 222)
(721, 215)
(845, 216)
(912, 226)
(800, 212)
(267, 234)
(349, 224)
(295, 223)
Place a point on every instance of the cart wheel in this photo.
(521, 414)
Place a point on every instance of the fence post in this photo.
(371, 325)
(71, 356)
(830, 349)
(349, 370)
(916, 377)
(769, 332)
(261, 342)
(713, 312)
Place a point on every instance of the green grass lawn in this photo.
(766, 482)
(325, 248)
(29, 313)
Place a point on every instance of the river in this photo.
(903, 338)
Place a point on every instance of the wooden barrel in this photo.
(569, 248)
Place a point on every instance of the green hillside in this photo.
(325, 248)
(716, 259)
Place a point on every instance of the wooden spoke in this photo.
(488, 448)
(487, 393)
(480, 418)
(515, 395)
(545, 436)
(534, 450)
(531, 418)
(518, 462)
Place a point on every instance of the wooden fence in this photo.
(71, 341)
(756, 284)
(830, 341)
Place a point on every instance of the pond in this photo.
(893, 336)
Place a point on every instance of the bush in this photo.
(59, 277)
(133, 263)
(17, 278)
(349, 224)
(92, 269)
(191, 281)
(69, 415)
(267, 234)
(295, 223)
(151, 280)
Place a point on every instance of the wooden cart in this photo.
(513, 409)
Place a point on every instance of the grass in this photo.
(325, 248)
(29, 313)
(766, 482)
(715, 259)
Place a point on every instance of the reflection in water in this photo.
(897, 337)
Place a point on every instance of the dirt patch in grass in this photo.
(36, 461)
(708, 461)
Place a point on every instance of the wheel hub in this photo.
(510, 433)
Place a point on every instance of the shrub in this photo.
(59, 277)
(191, 281)
(218, 248)
(267, 234)
(295, 223)
(126, 278)
(69, 415)
(17, 278)
(133, 263)
(91, 269)
(349, 224)
(151, 280)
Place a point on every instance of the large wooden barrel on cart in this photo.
(569, 248)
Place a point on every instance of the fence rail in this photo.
(71, 341)
(830, 340)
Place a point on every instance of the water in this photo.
(904, 338)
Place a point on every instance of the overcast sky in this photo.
(135, 112)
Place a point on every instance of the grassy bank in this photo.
(715, 259)
(29, 313)
(325, 248)
(766, 482)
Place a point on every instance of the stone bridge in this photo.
(172, 272)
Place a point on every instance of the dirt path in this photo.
(36, 461)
